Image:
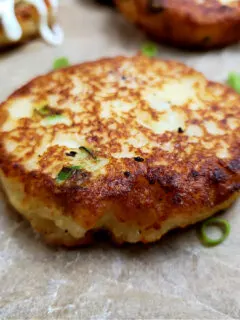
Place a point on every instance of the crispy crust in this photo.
(28, 18)
(58, 236)
(186, 23)
(135, 200)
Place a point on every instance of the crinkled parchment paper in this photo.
(176, 278)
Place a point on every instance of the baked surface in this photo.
(147, 145)
(193, 24)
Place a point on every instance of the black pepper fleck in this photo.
(127, 174)
(138, 159)
(71, 154)
(218, 175)
(177, 199)
(180, 130)
(234, 165)
(235, 187)
(225, 8)
(206, 40)
(151, 181)
(194, 173)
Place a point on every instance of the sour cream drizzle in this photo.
(13, 29)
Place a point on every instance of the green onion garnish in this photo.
(61, 62)
(234, 81)
(54, 119)
(88, 151)
(223, 225)
(54, 116)
(149, 49)
(66, 173)
(44, 111)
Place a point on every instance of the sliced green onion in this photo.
(66, 173)
(149, 49)
(88, 151)
(47, 111)
(234, 81)
(224, 227)
(61, 62)
(44, 111)
(54, 119)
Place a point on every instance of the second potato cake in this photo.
(193, 24)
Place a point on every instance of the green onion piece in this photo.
(66, 173)
(87, 151)
(223, 225)
(54, 119)
(44, 111)
(61, 62)
(149, 49)
(234, 81)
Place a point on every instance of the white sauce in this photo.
(13, 29)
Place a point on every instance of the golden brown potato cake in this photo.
(28, 18)
(193, 24)
(131, 145)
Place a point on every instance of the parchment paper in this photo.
(176, 278)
